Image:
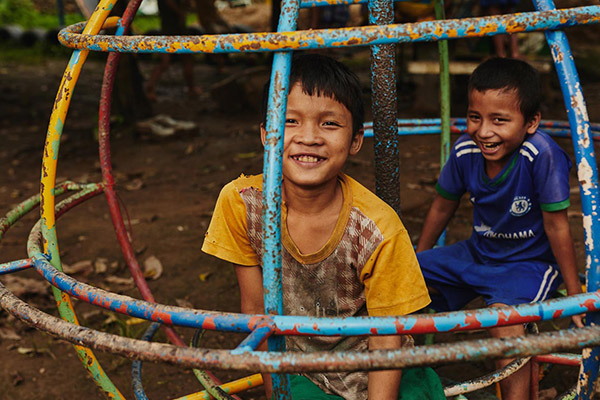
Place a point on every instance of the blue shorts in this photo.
(459, 277)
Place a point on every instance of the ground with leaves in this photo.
(168, 186)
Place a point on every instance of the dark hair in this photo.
(510, 74)
(323, 76)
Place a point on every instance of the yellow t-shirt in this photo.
(381, 255)
(367, 267)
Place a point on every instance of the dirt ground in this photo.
(168, 187)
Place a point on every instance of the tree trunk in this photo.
(129, 99)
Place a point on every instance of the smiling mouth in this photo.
(305, 158)
(489, 146)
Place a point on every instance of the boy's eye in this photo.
(331, 123)
(290, 121)
(500, 120)
(473, 117)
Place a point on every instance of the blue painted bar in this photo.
(544, 124)
(426, 31)
(431, 130)
(272, 177)
(587, 172)
(325, 3)
(474, 350)
(136, 366)
(254, 340)
(297, 325)
(15, 266)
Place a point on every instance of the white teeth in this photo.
(306, 158)
(490, 145)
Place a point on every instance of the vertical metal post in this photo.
(60, 9)
(440, 13)
(272, 176)
(587, 173)
(383, 84)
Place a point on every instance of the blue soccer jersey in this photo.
(507, 216)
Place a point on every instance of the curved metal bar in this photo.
(458, 129)
(296, 325)
(255, 339)
(573, 360)
(325, 3)
(486, 380)
(587, 173)
(291, 362)
(335, 38)
(27, 205)
(106, 167)
(15, 266)
(47, 196)
(232, 387)
(136, 365)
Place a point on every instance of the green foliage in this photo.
(23, 13)
(16, 12)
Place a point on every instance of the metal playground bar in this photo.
(381, 37)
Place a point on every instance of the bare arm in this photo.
(435, 222)
(384, 384)
(557, 229)
(252, 302)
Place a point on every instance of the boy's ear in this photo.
(534, 123)
(357, 142)
(263, 133)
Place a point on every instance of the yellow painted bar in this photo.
(232, 387)
(47, 195)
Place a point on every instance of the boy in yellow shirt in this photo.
(345, 252)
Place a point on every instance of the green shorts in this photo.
(416, 384)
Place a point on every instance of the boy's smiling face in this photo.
(318, 139)
(496, 124)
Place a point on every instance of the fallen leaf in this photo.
(134, 184)
(25, 350)
(204, 276)
(85, 267)
(189, 149)
(153, 268)
(135, 321)
(184, 303)
(414, 186)
(23, 286)
(100, 265)
(9, 334)
(16, 378)
(118, 280)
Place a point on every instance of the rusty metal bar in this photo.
(325, 3)
(291, 362)
(255, 339)
(587, 173)
(573, 360)
(385, 109)
(486, 380)
(15, 266)
(297, 325)
(335, 38)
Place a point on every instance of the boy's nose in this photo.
(308, 134)
(486, 129)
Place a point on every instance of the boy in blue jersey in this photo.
(518, 181)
